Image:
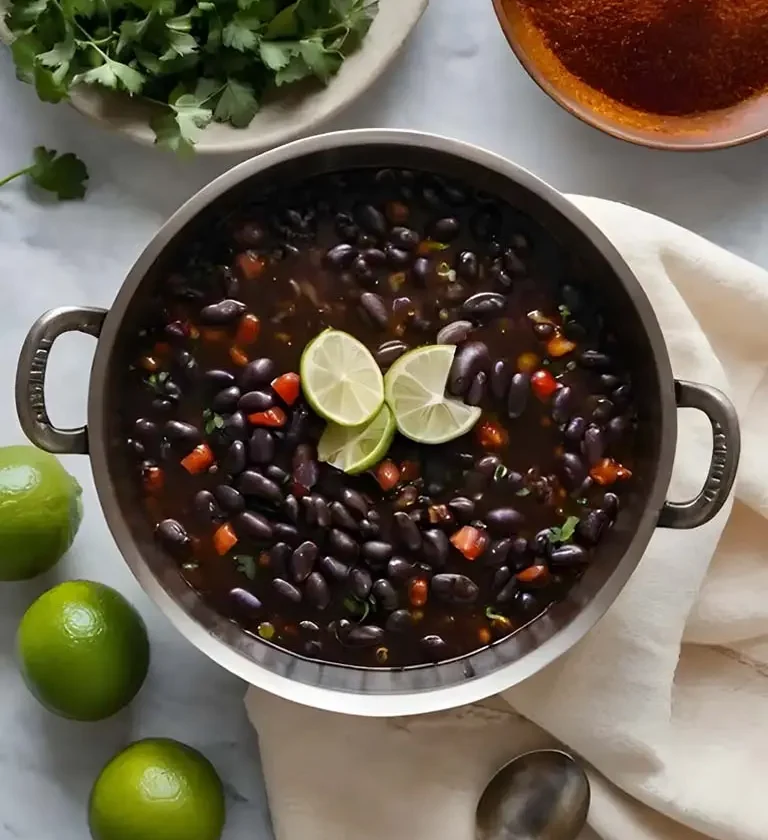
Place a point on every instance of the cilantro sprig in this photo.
(63, 175)
(199, 61)
(563, 533)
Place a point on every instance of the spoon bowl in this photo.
(540, 795)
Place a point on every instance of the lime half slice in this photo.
(355, 449)
(415, 391)
(340, 379)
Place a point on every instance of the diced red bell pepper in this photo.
(559, 345)
(287, 387)
(153, 479)
(224, 539)
(543, 384)
(418, 590)
(198, 460)
(248, 329)
(607, 471)
(250, 265)
(492, 435)
(238, 356)
(387, 474)
(273, 417)
(470, 541)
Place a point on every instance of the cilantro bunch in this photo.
(201, 60)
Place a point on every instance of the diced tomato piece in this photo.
(409, 470)
(198, 460)
(484, 636)
(287, 387)
(543, 384)
(153, 479)
(559, 345)
(238, 356)
(274, 417)
(224, 539)
(149, 363)
(534, 575)
(248, 329)
(470, 541)
(418, 590)
(492, 435)
(606, 471)
(212, 335)
(387, 474)
(250, 265)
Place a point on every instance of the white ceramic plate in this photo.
(289, 116)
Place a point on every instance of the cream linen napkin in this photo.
(667, 698)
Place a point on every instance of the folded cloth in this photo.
(666, 700)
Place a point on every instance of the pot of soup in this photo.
(381, 422)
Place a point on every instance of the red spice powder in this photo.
(666, 57)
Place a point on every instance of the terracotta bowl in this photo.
(714, 130)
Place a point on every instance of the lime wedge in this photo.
(357, 448)
(340, 379)
(415, 391)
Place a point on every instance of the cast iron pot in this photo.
(369, 691)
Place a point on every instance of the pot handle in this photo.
(726, 446)
(30, 377)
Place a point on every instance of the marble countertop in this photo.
(78, 253)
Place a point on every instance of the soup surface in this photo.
(436, 550)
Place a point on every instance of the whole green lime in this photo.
(40, 511)
(83, 650)
(157, 789)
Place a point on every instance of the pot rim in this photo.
(351, 701)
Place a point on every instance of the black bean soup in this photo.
(438, 550)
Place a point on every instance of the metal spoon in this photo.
(540, 795)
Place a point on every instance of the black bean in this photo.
(421, 270)
(322, 511)
(360, 583)
(250, 235)
(462, 508)
(504, 521)
(497, 552)
(236, 426)
(617, 427)
(377, 551)
(445, 230)
(408, 531)
(575, 332)
(162, 405)
(526, 602)
(476, 390)
(342, 545)
(298, 425)
(287, 590)
(234, 460)
(217, 380)
(500, 277)
(345, 227)
(561, 403)
(309, 628)
(253, 483)
(400, 570)
(575, 429)
(290, 508)
(603, 410)
(610, 504)
(261, 446)
(399, 622)
(341, 256)
(245, 599)
(175, 331)
(310, 515)
(145, 429)
(467, 265)
(593, 445)
(254, 525)
(228, 498)
(222, 313)
(514, 480)
(371, 219)
(364, 635)
(334, 568)
(434, 646)
(455, 589)
(622, 393)
(591, 527)
(254, 401)
(172, 535)
(405, 238)
(517, 397)
(470, 358)
(455, 333)
(362, 270)
(385, 594)
(572, 469)
(306, 474)
(184, 434)
(341, 517)
(513, 265)
(225, 400)
(397, 257)
(374, 256)
(317, 592)
(500, 378)
(278, 556)
(355, 502)
(567, 555)
(507, 592)
(487, 465)
(257, 373)
(501, 577)
(302, 561)
(277, 474)
(435, 547)
(375, 307)
(483, 306)
(486, 224)
(389, 352)
(609, 381)
(595, 360)
(286, 532)
(206, 507)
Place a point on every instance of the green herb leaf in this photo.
(237, 104)
(563, 533)
(246, 564)
(114, 75)
(294, 71)
(322, 62)
(500, 472)
(277, 54)
(491, 614)
(48, 85)
(356, 607)
(523, 491)
(240, 34)
(61, 53)
(218, 421)
(179, 128)
(564, 311)
(180, 44)
(285, 24)
(65, 175)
